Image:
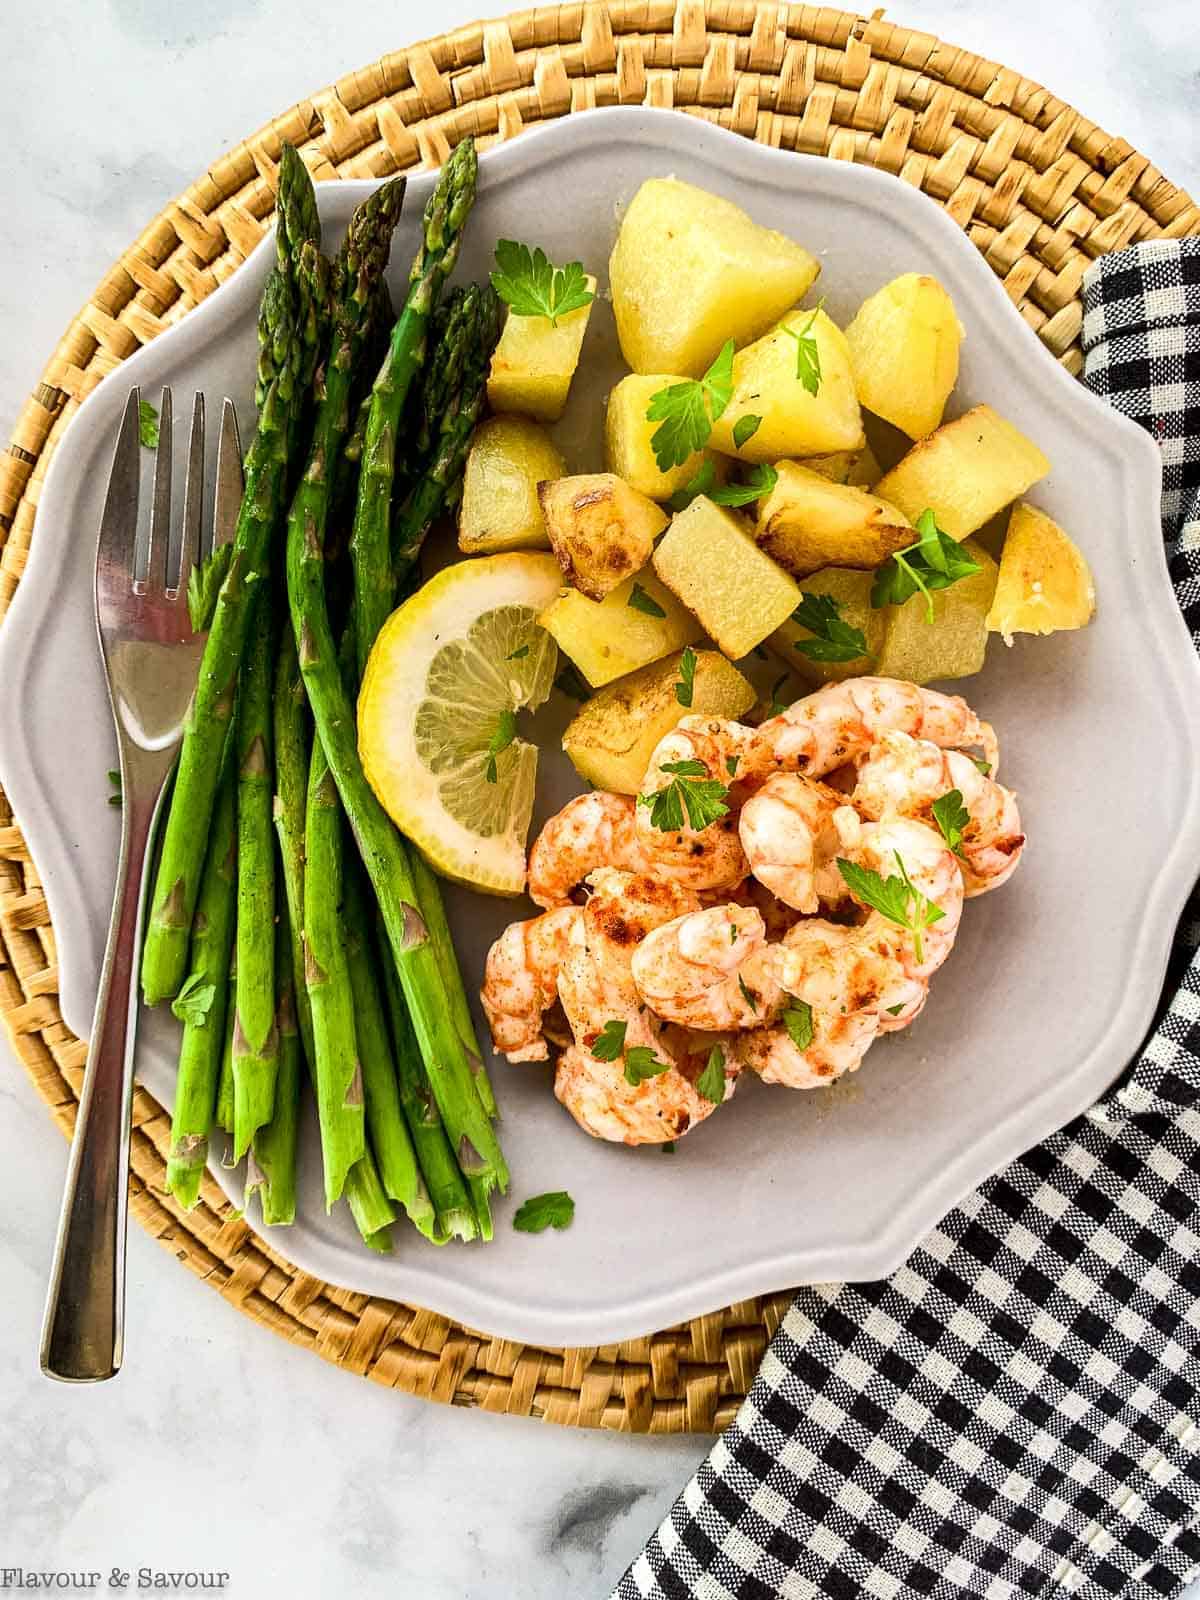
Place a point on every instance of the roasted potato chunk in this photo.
(610, 637)
(708, 557)
(807, 522)
(836, 466)
(690, 270)
(627, 434)
(904, 343)
(614, 735)
(964, 472)
(600, 529)
(1045, 583)
(851, 589)
(509, 457)
(954, 644)
(535, 360)
(794, 422)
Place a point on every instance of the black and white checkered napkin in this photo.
(1016, 1411)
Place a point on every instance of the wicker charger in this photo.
(1041, 192)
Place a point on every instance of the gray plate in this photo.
(1054, 979)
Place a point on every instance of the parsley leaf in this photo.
(542, 1211)
(116, 798)
(147, 425)
(894, 1011)
(532, 286)
(797, 1019)
(194, 1001)
(668, 1149)
(894, 898)
(570, 683)
(808, 354)
(641, 601)
(519, 654)
(747, 996)
(641, 1063)
(731, 765)
(761, 481)
(204, 584)
(711, 1082)
(984, 766)
(833, 639)
(701, 483)
(951, 817)
(690, 792)
(934, 561)
(506, 732)
(745, 428)
(777, 705)
(686, 411)
(610, 1042)
(686, 687)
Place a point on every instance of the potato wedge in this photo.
(690, 270)
(1045, 583)
(954, 644)
(852, 591)
(807, 522)
(600, 529)
(794, 422)
(964, 472)
(608, 638)
(508, 458)
(836, 466)
(904, 343)
(534, 362)
(627, 434)
(614, 735)
(708, 557)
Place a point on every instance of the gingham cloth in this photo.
(1016, 1411)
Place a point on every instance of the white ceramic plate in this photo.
(1053, 980)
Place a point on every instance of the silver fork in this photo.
(151, 658)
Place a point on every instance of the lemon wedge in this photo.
(437, 714)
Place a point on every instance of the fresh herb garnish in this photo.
(194, 1001)
(532, 286)
(115, 798)
(701, 482)
(797, 1019)
(951, 817)
(984, 766)
(506, 732)
(147, 425)
(934, 561)
(641, 601)
(833, 639)
(808, 353)
(686, 411)
(747, 996)
(745, 428)
(894, 898)
(668, 1149)
(641, 1063)
(731, 765)
(610, 1041)
(685, 689)
(690, 791)
(894, 1011)
(204, 584)
(761, 481)
(570, 682)
(777, 705)
(711, 1082)
(542, 1211)
(518, 654)
(733, 932)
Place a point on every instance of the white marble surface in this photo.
(220, 1447)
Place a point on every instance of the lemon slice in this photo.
(436, 715)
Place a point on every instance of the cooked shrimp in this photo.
(520, 981)
(902, 847)
(709, 857)
(606, 1105)
(711, 969)
(787, 832)
(841, 722)
(903, 777)
(593, 830)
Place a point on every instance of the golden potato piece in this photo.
(535, 360)
(709, 558)
(1045, 583)
(690, 270)
(627, 434)
(610, 637)
(851, 589)
(837, 466)
(614, 735)
(904, 343)
(954, 644)
(600, 529)
(508, 458)
(794, 422)
(964, 472)
(807, 522)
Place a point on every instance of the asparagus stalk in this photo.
(369, 1205)
(255, 1038)
(429, 904)
(224, 1112)
(290, 725)
(290, 328)
(271, 1167)
(201, 1051)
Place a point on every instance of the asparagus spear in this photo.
(290, 327)
(224, 1112)
(203, 1038)
(292, 739)
(255, 1039)
(429, 904)
(369, 1205)
(271, 1167)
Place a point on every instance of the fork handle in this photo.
(83, 1331)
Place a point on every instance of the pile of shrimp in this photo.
(746, 938)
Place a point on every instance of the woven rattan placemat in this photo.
(1041, 192)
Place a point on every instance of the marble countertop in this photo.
(221, 1448)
